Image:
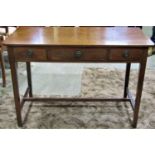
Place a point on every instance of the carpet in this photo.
(96, 82)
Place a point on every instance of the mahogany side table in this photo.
(78, 44)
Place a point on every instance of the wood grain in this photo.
(79, 36)
(77, 44)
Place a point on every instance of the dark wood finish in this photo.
(79, 36)
(30, 54)
(82, 44)
(3, 69)
(126, 54)
(29, 79)
(76, 99)
(127, 76)
(66, 54)
(139, 89)
(13, 67)
(2, 65)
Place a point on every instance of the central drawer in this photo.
(65, 54)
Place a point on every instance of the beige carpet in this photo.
(77, 115)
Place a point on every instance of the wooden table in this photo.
(78, 44)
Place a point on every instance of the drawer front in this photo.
(77, 54)
(30, 54)
(126, 54)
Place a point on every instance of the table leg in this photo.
(127, 75)
(13, 67)
(29, 78)
(3, 69)
(139, 92)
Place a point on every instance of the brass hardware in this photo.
(125, 54)
(29, 53)
(78, 54)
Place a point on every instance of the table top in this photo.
(78, 36)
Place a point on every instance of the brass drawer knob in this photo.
(125, 54)
(29, 53)
(78, 54)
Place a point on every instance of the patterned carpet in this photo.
(76, 115)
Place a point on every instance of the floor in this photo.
(65, 79)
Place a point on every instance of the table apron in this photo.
(79, 54)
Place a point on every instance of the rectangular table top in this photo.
(78, 36)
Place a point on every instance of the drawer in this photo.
(30, 54)
(67, 54)
(126, 54)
